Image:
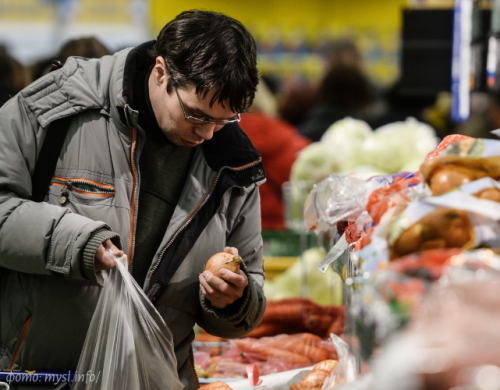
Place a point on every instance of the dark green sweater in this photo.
(163, 168)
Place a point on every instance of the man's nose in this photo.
(206, 131)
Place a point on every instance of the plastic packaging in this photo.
(462, 162)
(431, 222)
(340, 199)
(128, 345)
(448, 140)
(346, 371)
(451, 343)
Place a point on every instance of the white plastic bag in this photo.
(338, 198)
(128, 345)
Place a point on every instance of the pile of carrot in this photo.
(301, 349)
(299, 315)
(270, 354)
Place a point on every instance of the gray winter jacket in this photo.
(47, 293)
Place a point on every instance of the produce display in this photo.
(294, 333)
(323, 289)
(217, 385)
(350, 146)
(296, 315)
(417, 251)
(330, 370)
(432, 235)
(317, 376)
(270, 354)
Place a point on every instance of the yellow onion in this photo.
(223, 260)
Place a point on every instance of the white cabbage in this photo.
(395, 145)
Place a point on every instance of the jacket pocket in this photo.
(19, 343)
(81, 189)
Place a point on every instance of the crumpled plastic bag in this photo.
(128, 345)
(452, 342)
(341, 199)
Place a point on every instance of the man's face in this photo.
(169, 114)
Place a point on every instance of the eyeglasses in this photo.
(199, 121)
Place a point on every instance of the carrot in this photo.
(266, 329)
(285, 311)
(336, 327)
(238, 369)
(313, 380)
(307, 338)
(219, 385)
(315, 354)
(327, 365)
(253, 346)
(215, 359)
(276, 341)
(319, 324)
(288, 356)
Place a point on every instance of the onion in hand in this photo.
(223, 260)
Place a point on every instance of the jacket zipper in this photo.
(195, 211)
(133, 201)
(102, 190)
(195, 374)
(20, 341)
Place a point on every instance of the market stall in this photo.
(404, 241)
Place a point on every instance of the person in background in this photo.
(13, 76)
(344, 91)
(87, 47)
(154, 165)
(344, 52)
(485, 116)
(279, 143)
(299, 98)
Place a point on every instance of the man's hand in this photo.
(223, 292)
(103, 259)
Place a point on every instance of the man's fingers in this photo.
(231, 249)
(215, 284)
(237, 279)
(108, 244)
(204, 283)
(103, 260)
(216, 298)
(203, 289)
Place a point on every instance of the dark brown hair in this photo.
(212, 52)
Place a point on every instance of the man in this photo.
(154, 164)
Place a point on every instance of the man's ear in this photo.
(160, 74)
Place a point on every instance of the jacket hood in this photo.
(81, 84)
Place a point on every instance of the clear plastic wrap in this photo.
(464, 218)
(340, 199)
(462, 162)
(453, 341)
(347, 369)
(128, 345)
(388, 300)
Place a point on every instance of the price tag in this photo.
(340, 247)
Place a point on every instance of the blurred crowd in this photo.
(287, 116)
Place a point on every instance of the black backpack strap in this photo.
(47, 159)
(49, 154)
